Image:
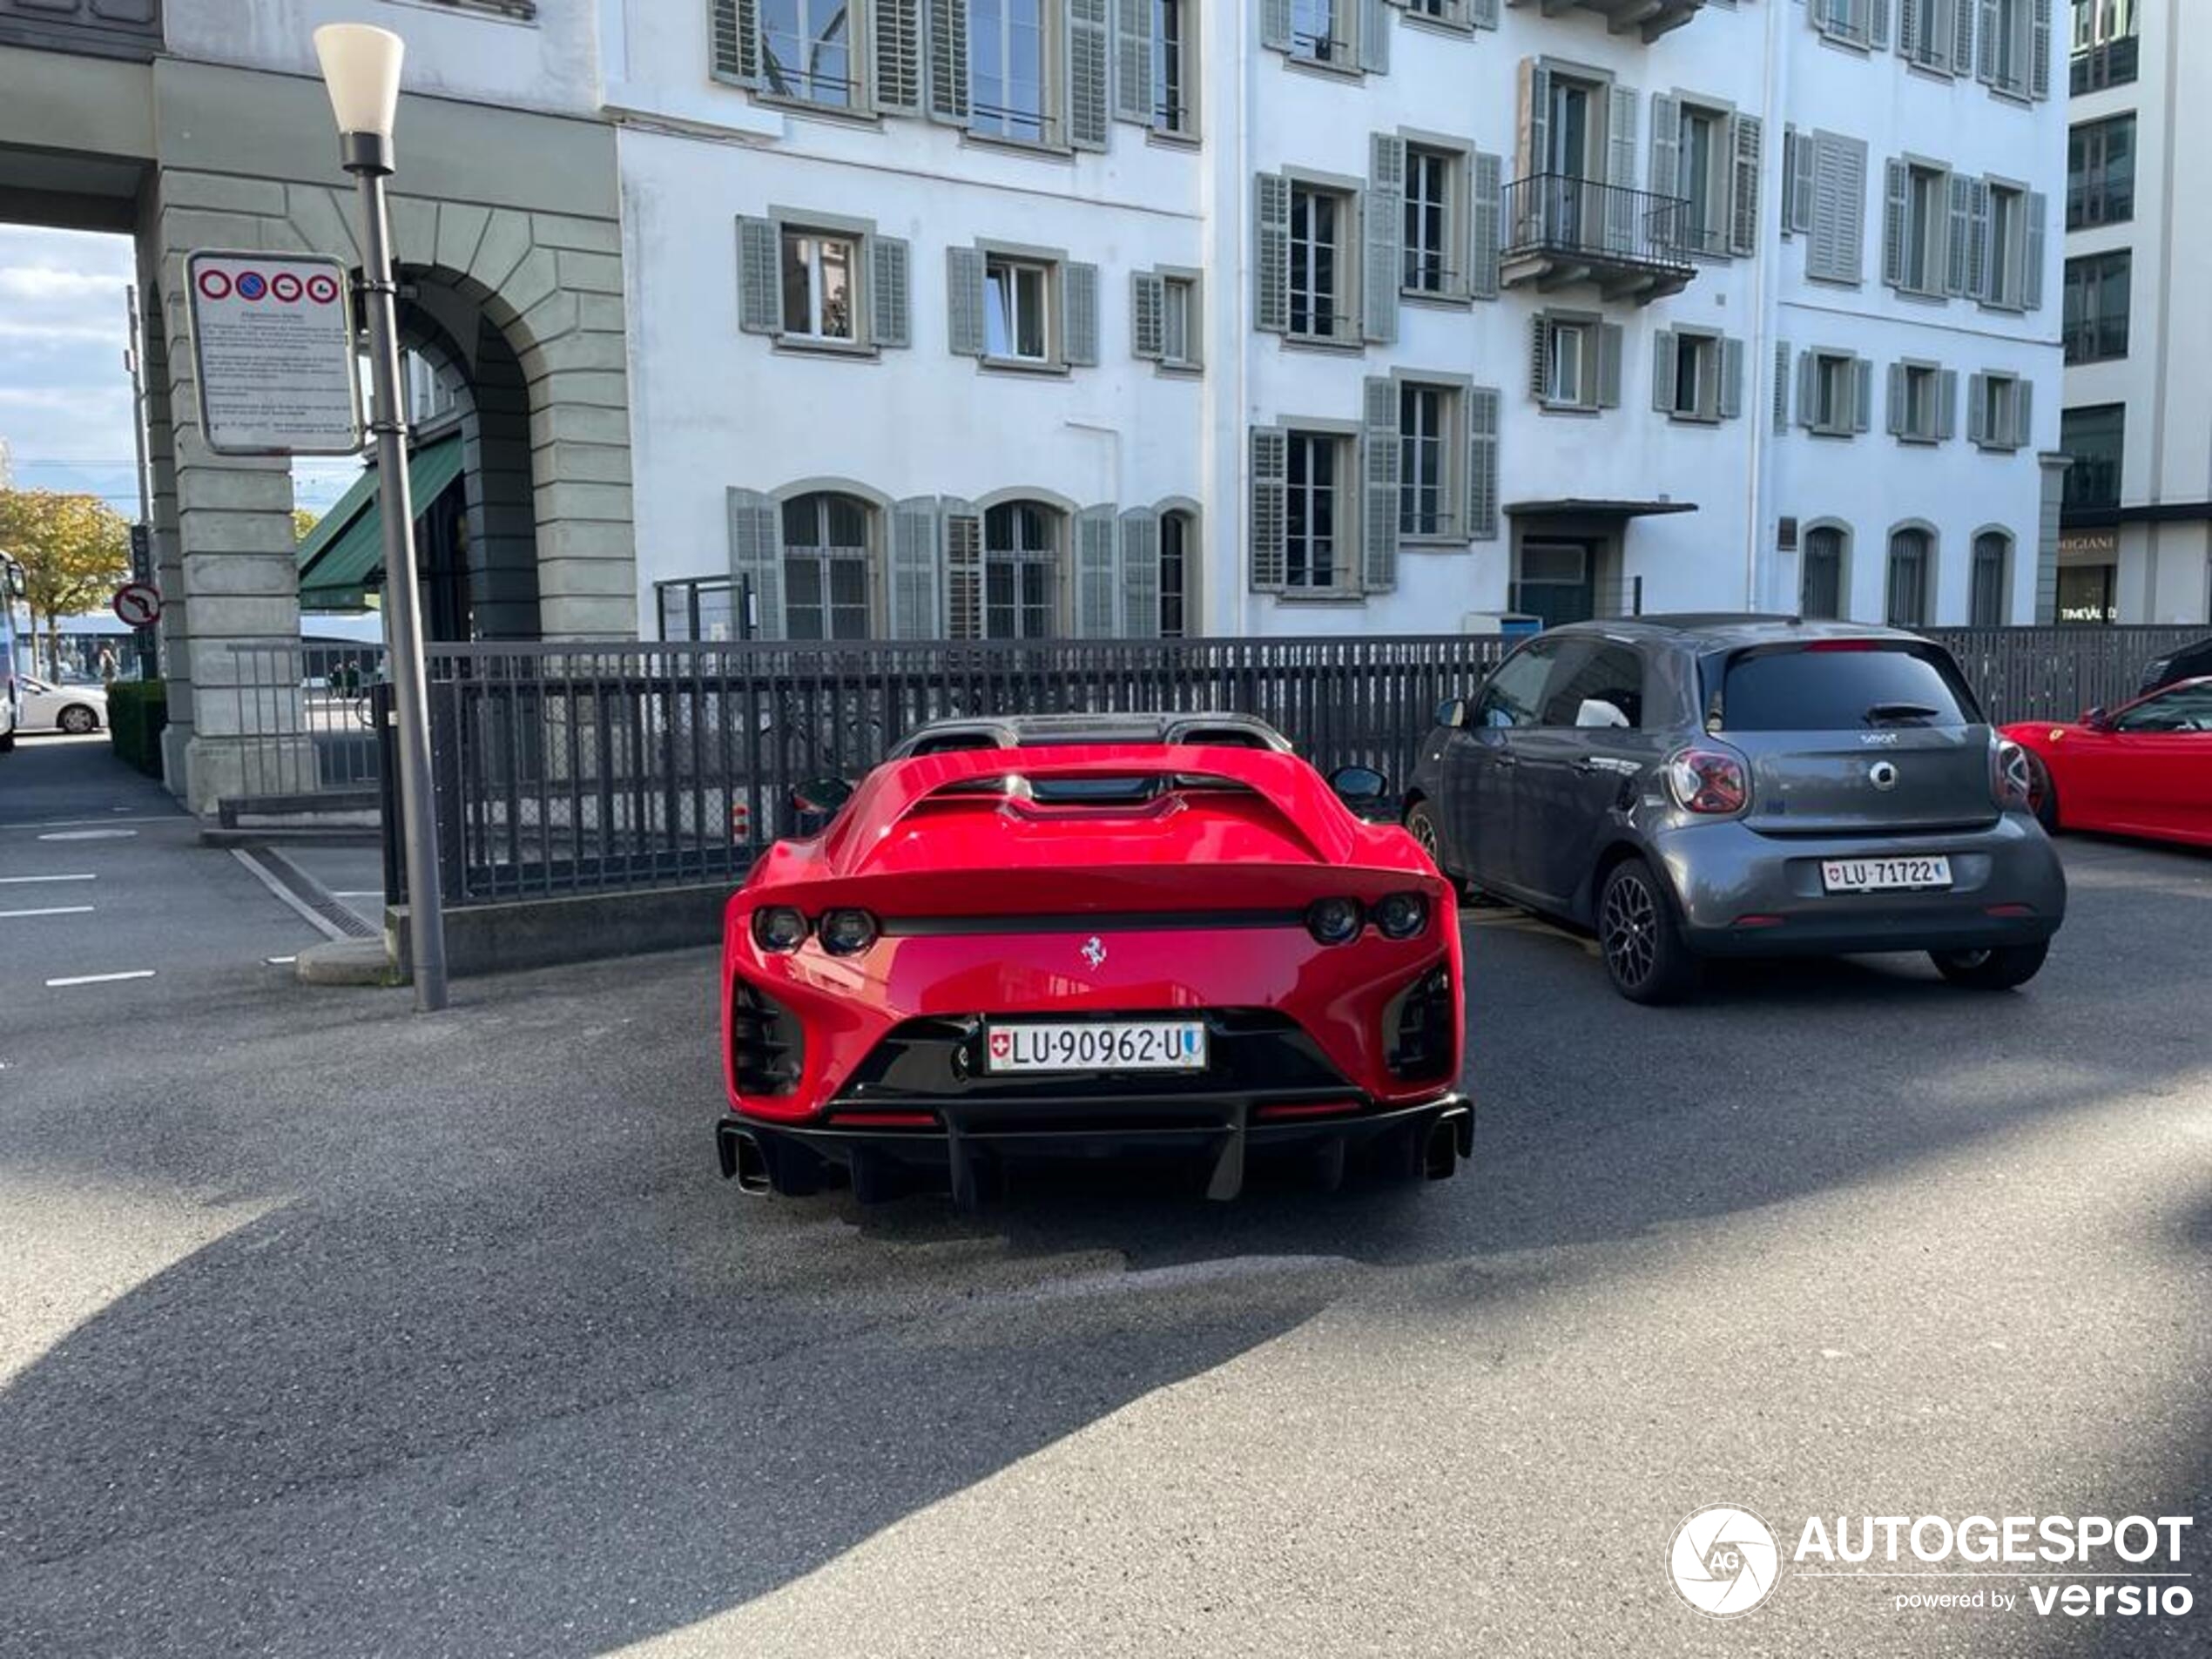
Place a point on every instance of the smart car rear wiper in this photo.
(1894, 713)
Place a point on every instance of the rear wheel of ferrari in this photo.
(2000, 969)
(1644, 953)
(2042, 793)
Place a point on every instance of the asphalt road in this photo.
(325, 1329)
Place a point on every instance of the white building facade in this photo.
(2137, 541)
(1011, 318)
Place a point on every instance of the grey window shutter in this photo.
(1095, 539)
(1148, 314)
(1090, 75)
(1893, 199)
(1947, 404)
(1962, 36)
(1877, 25)
(1608, 365)
(1782, 386)
(1271, 505)
(1977, 408)
(1275, 24)
(1861, 393)
(1379, 522)
(759, 290)
(1911, 30)
(1483, 14)
(962, 527)
(1837, 254)
(1663, 370)
(1139, 574)
(964, 302)
(1080, 347)
(1732, 378)
(890, 291)
(1984, 280)
(1483, 209)
(2023, 413)
(1803, 191)
(736, 28)
(1374, 36)
(1666, 145)
(917, 571)
(757, 559)
(897, 56)
(1540, 341)
(948, 61)
(1960, 236)
(1986, 67)
(1746, 145)
(1897, 427)
(1484, 416)
(1532, 84)
(1383, 228)
(1271, 253)
(1133, 49)
(1622, 226)
(2038, 207)
(2039, 51)
(1809, 389)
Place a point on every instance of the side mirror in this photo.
(821, 796)
(1452, 712)
(2096, 719)
(1358, 787)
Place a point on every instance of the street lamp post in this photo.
(360, 67)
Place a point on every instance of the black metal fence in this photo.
(303, 717)
(567, 769)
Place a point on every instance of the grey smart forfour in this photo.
(1703, 786)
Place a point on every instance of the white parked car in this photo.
(57, 706)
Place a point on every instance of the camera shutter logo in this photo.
(1724, 1561)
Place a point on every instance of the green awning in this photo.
(342, 559)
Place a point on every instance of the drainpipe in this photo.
(1765, 324)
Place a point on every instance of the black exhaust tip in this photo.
(1450, 1138)
(745, 1162)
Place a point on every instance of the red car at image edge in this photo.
(1086, 948)
(2143, 769)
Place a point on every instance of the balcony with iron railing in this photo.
(1559, 230)
(1651, 18)
(98, 28)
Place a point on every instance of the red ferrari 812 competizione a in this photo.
(1091, 935)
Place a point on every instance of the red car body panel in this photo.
(2156, 785)
(987, 901)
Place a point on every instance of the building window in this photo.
(1020, 567)
(1833, 388)
(2101, 173)
(1176, 562)
(1924, 228)
(1700, 179)
(2008, 49)
(1017, 310)
(1927, 34)
(1174, 52)
(1851, 21)
(1432, 221)
(1010, 57)
(1317, 527)
(826, 568)
(2105, 49)
(818, 284)
(1986, 602)
(1997, 415)
(1918, 405)
(1320, 32)
(1321, 301)
(1820, 586)
(1695, 374)
(2096, 305)
(2096, 437)
(2006, 281)
(807, 52)
(1911, 558)
(1565, 364)
(1179, 322)
(1574, 362)
(1429, 424)
(703, 609)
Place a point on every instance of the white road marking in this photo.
(102, 979)
(50, 910)
(279, 961)
(69, 823)
(88, 835)
(11, 880)
(322, 925)
(369, 892)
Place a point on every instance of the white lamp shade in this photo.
(361, 66)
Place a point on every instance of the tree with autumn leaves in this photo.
(74, 550)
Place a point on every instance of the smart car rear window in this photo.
(1843, 685)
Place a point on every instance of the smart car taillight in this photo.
(1709, 780)
(2012, 776)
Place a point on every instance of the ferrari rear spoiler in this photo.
(895, 790)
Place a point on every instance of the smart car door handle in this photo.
(1588, 763)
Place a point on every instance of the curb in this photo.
(347, 961)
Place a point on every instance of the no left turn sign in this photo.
(136, 605)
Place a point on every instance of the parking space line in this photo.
(50, 910)
(17, 881)
(100, 979)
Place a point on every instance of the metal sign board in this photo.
(136, 605)
(272, 339)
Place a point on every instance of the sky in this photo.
(65, 394)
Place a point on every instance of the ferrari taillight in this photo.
(779, 928)
(1334, 922)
